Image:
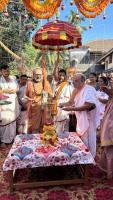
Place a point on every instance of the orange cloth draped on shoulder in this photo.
(57, 95)
(35, 112)
(60, 87)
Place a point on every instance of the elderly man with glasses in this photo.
(85, 104)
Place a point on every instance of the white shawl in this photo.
(87, 94)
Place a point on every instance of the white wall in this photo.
(107, 64)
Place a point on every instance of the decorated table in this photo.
(28, 151)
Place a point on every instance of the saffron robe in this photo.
(36, 112)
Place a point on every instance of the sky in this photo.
(102, 28)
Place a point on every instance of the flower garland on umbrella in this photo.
(91, 8)
(3, 4)
(42, 10)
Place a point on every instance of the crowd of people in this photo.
(82, 105)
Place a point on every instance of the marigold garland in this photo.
(42, 6)
(49, 135)
(42, 15)
(46, 9)
(91, 8)
(3, 4)
(42, 10)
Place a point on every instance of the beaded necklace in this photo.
(34, 90)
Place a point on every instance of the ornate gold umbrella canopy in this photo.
(57, 36)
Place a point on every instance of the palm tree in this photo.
(51, 57)
(76, 19)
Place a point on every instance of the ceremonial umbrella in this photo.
(57, 36)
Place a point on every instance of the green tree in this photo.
(50, 58)
(16, 25)
(76, 19)
(29, 55)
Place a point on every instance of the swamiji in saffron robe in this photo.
(36, 111)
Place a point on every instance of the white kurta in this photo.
(62, 117)
(9, 113)
(87, 122)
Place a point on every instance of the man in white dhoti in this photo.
(62, 94)
(86, 109)
(9, 113)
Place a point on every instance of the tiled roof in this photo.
(107, 54)
(100, 45)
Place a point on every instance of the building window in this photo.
(110, 58)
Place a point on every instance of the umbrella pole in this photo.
(58, 55)
(43, 70)
(56, 67)
(43, 89)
